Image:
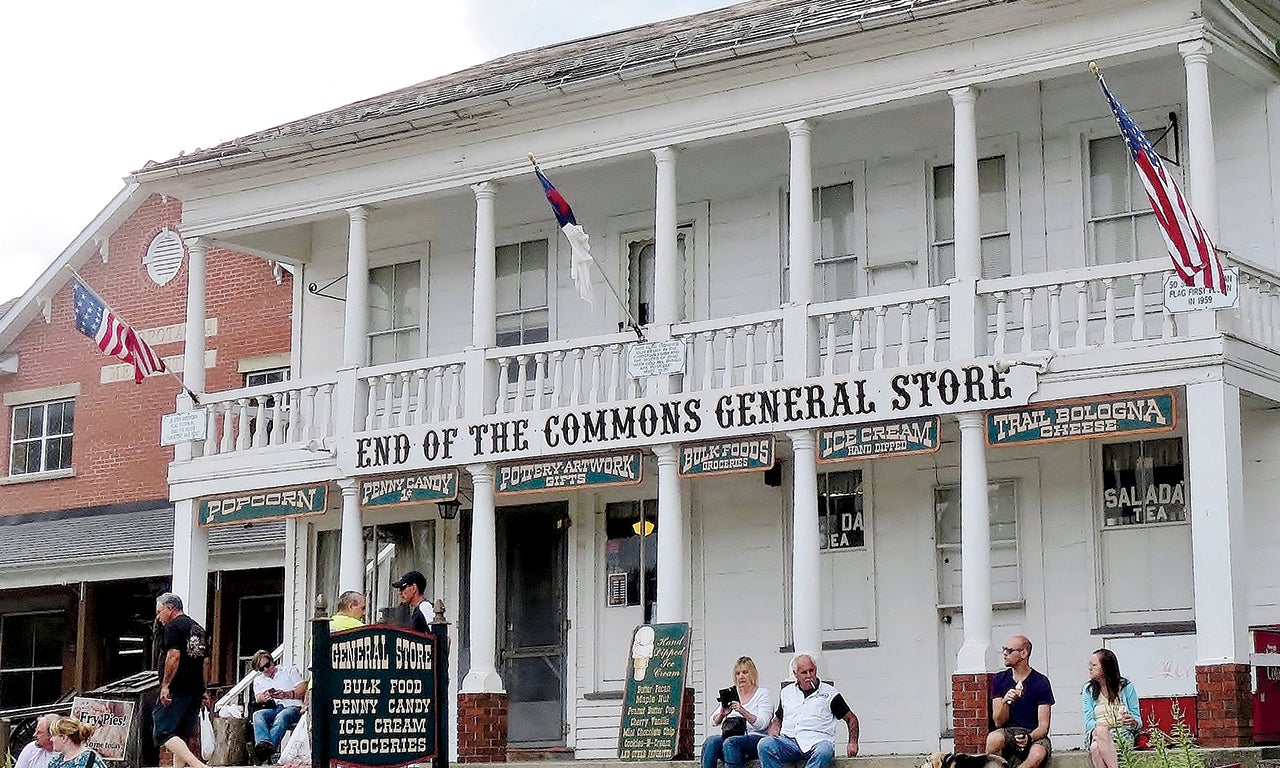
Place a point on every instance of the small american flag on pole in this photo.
(96, 320)
(1194, 257)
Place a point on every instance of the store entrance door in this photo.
(532, 555)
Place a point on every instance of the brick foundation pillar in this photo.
(685, 749)
(1224, 705)
(482, 727)
(969, 711)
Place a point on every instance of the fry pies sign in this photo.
(873, 396)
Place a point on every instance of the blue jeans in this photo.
(272, 723)
(735, 750)
(776, 750)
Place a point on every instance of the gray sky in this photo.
(93, 90)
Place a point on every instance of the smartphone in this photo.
(728, 696)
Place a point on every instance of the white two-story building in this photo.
(881, 244)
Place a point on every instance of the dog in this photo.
(961, 760)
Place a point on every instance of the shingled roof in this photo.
(749, 28)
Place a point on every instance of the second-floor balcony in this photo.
(1076, 322)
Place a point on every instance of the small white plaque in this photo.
(183, 427)
(655, 358)
(1184, 298)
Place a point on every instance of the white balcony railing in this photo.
(875, 332)
(1079, 308)
(285, 413)
(725, 352)
(1075, 310)
(401, 394)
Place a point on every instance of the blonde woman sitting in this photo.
(69, 749)
(741, 721)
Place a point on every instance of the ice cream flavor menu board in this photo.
(656, 666)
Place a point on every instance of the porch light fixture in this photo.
(642, 527)
(448, 509)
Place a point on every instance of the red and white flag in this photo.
(114, 336)
(1194, 257)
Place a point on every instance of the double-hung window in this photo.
(523, 316)
(395, 312)
(1121, 225)
(41, 437)
(993, 221)
(31, 658)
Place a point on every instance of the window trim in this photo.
(698, 259)
(1006, 145)
(1103, 127)
(44, 472)
(395, 256)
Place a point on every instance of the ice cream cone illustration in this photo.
(642, 651)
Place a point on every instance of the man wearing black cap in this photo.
(411, 586)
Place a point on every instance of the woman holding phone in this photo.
(742, 718)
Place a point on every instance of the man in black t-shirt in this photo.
(183, 652)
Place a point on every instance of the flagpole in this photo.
(631, 320)
(195, 400)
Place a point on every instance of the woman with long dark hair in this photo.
(1109, 704)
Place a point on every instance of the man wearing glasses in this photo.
(1021, 701)
(279, 691)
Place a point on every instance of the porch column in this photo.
(975, 546)
(190, 541)
(800, 213)
(483, 677)
(351, 539)
(806, 581)
(666, 257)
(1202, 161)
(484, 296)
(673, 577)
(968, 244)
(1215, 476)
(355, 334)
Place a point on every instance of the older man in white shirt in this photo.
(39, 752)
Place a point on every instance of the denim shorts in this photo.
(180, 717)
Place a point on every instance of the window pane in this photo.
(407, 344)
(57, 453)
(944, 257)
(18, 641)
(1151, 244)
(944, 182)
(1108, 176)
(996, 261)
(834, 213)
(22, 422)
(533, 274)
(508, 268)
(836, 279)
(15, 689)
(992, 201)
(48, 631)
(1143, 482)
(382, 349)
(18, 458)
(1113, 241)
(405, 305)
(381, 285)
(840, 519)
(535, 327)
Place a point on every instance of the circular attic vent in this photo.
(164, 256)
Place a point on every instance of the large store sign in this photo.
(254, 506)
(1131, 413)
(864, 398)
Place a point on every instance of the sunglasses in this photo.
(1007, 650)
(265, 667)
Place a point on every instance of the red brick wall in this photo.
(482, 727)
(970, 712)
(1224, 705)
(116, 450)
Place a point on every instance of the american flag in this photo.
(96, 320)
(1194, 258)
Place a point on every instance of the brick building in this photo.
(86, 527)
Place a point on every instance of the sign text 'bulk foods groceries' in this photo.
(722, 457)
(252, 506)
(1082, 418)
(845, 400)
